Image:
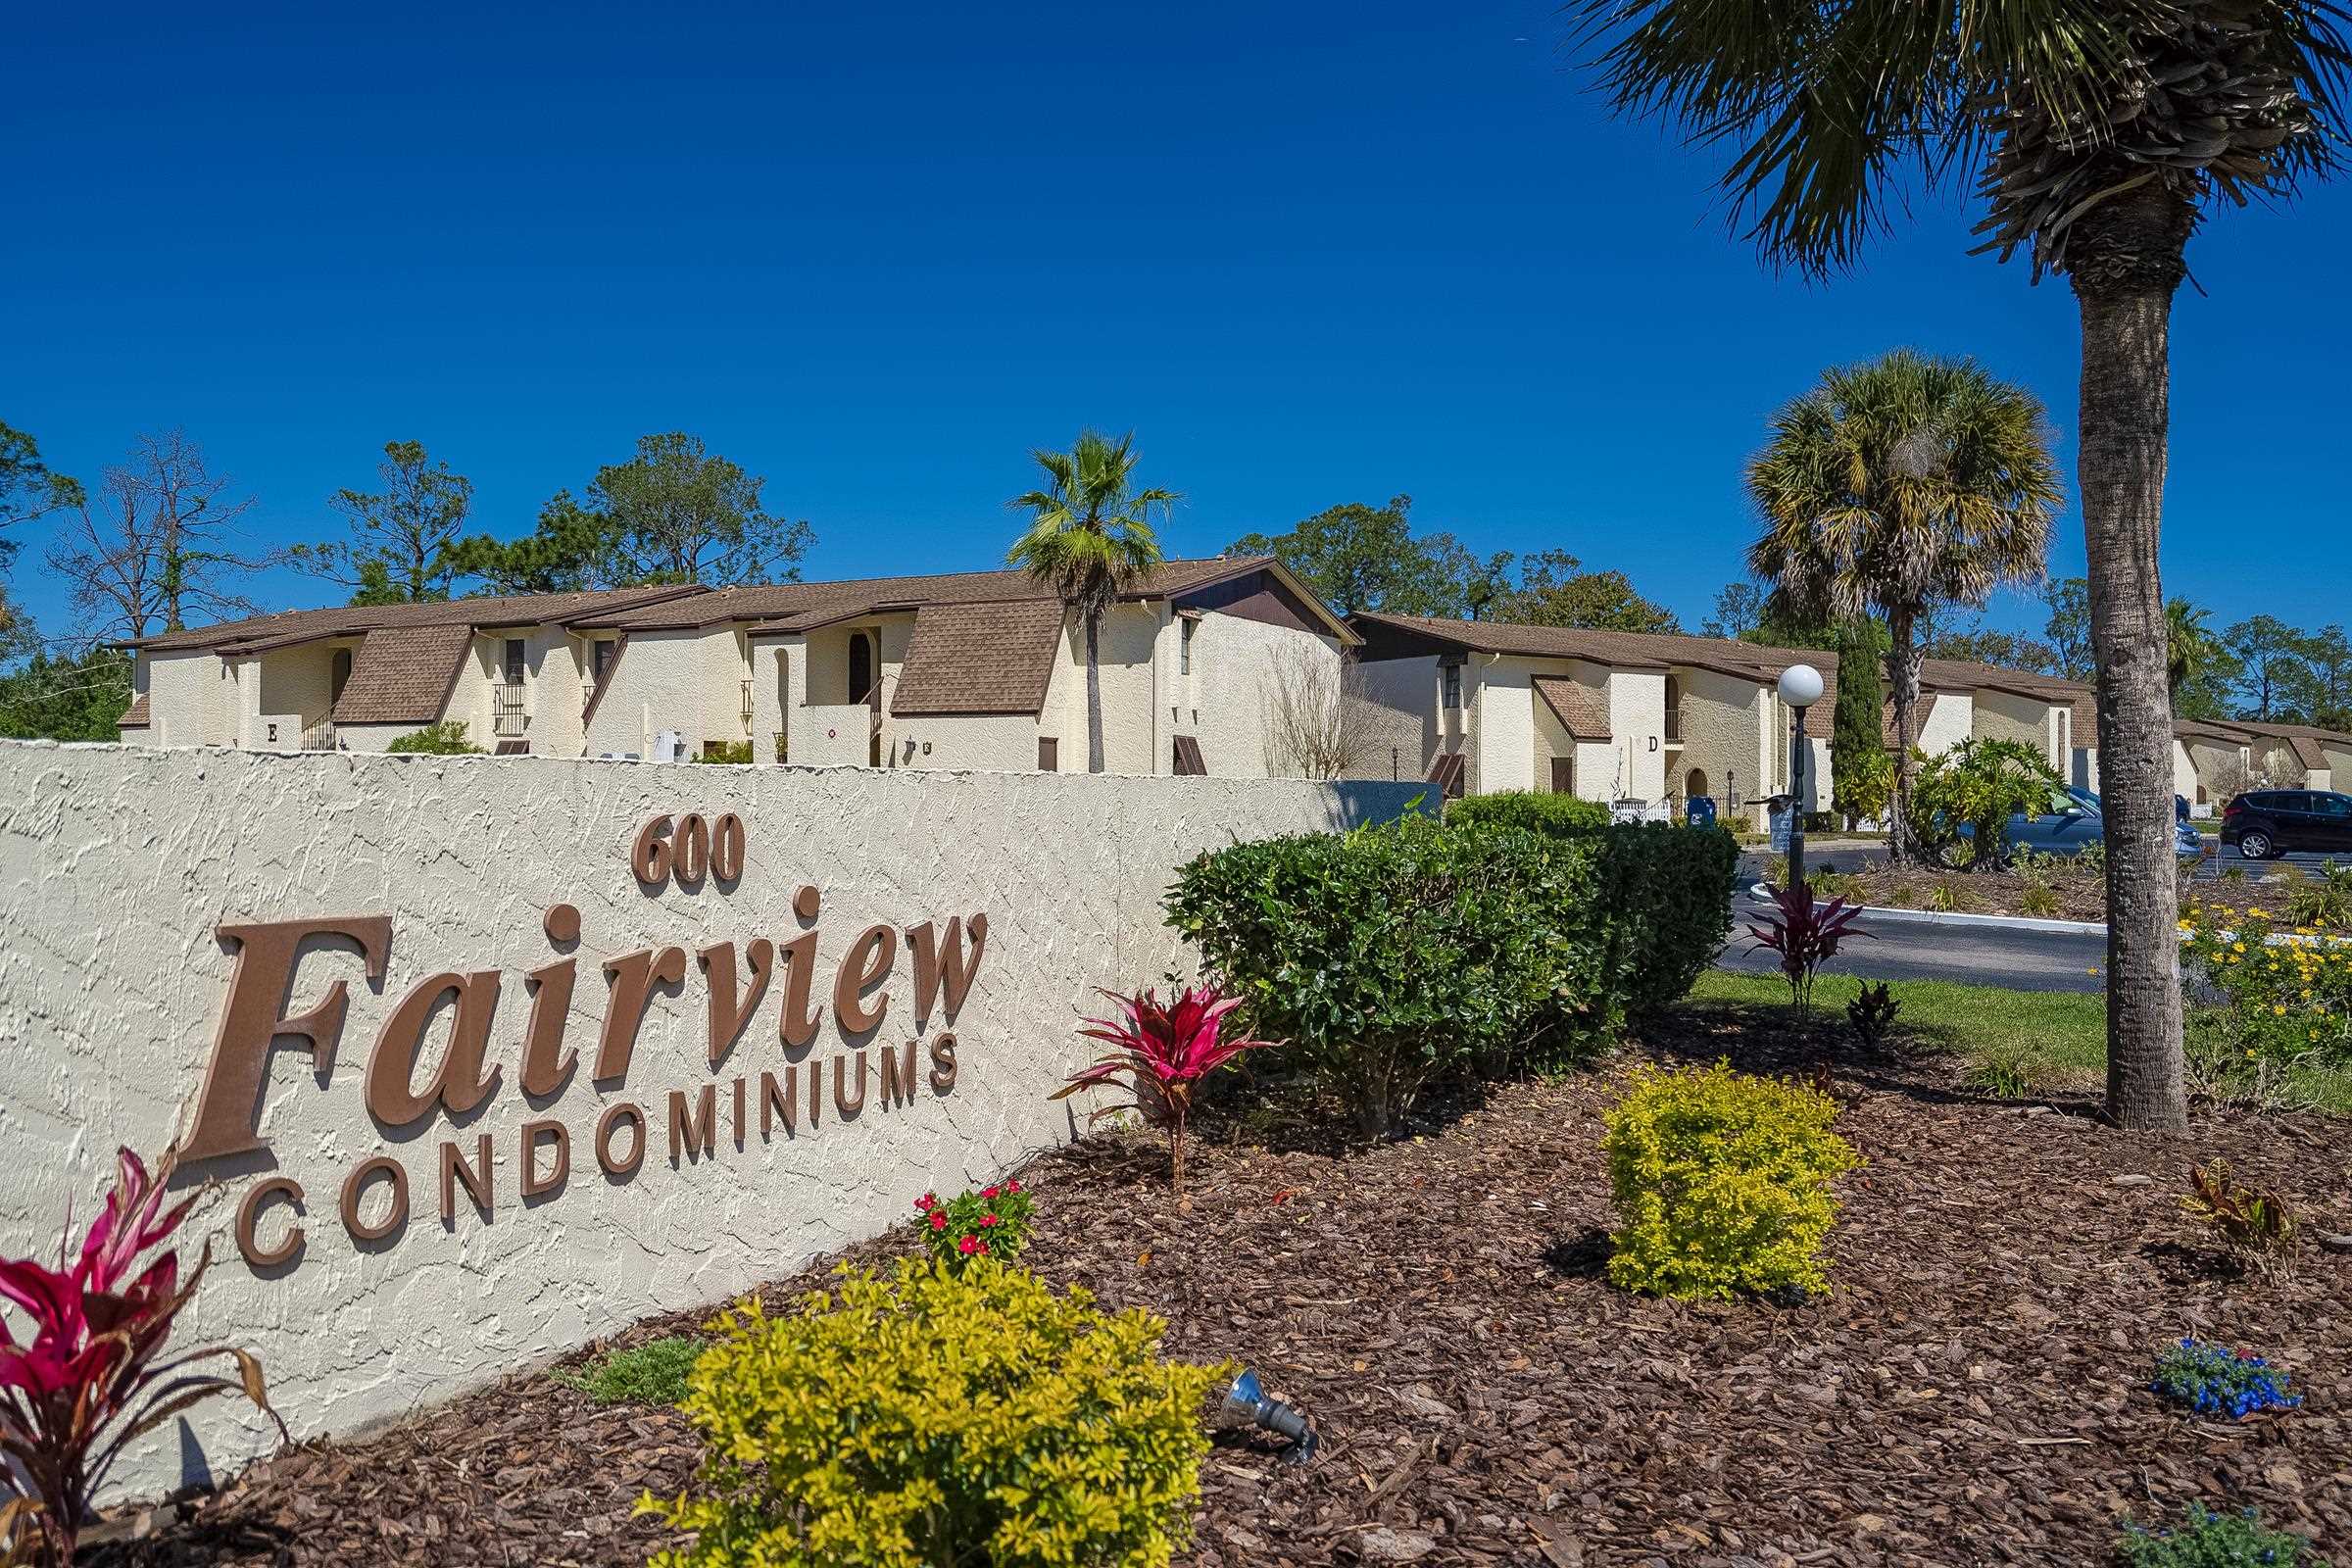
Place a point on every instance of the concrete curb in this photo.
(1982, 922)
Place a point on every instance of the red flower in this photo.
(967, 1246)
(979, 1246)
(989, 1192)
(926, 1203)
(939, 1221)
(1012, 1187)
(988, 1219)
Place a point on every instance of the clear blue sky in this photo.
(1310, 253)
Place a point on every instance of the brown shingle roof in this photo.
(1757, 662)
(791, 607)
(1583, 712)
(979, 659)
(403, 675)
(2205, 730)
(261, 633)
(134, 716)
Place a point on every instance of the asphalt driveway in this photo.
(1897, 948)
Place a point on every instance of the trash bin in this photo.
(1700, 811)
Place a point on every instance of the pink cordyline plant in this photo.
(1164, 1049)
(89, 1380)
(1804, 934)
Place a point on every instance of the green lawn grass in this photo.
(2014, 1042)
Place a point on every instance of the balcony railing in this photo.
(1674, 726)
(319, 734)
(509, 714)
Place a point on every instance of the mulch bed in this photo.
(2075, 896)
(1973, 1392)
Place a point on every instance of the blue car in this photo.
(2074, 823)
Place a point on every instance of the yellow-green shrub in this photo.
(923, 1418)
(1722, 1183)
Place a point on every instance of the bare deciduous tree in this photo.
(146, 553)
(1318, 721)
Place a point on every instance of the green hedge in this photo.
(1396, 958)
(1668, 888)
(1538, 814)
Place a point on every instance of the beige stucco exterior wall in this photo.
(111, 977)
(298, 681)
(1225, 702)
(1637, 725)
(379, 737)
(1136, 738)
(192, 700)
(2216, 768)
(1946, 719)
(1722, 728)
(2007, 717)
(1501, 698)
(997, 743)
(1399, 700)
(663, 682)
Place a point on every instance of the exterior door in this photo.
(2331, 821)
(515, 660)
(338, 677)
(1563, 776)
(861, 670)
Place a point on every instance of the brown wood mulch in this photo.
(2073, 895)
(1973, 1392)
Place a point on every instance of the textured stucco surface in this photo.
(118, 863)
(1400, 705)
(2008, 717)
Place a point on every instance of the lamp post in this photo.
(1801, 689)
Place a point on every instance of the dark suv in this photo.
(2267, 823)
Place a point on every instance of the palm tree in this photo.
(1090, 536)
(1896, 486)
(2098, 132)
(2190, 644)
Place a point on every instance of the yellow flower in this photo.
(2237, 947)
(2278, 1009)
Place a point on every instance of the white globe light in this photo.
(1800, 685)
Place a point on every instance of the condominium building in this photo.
(960, 671)
(1480, 707)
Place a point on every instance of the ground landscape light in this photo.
(1245, 1405)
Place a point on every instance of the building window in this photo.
(1184, 647)
(600, 659)
(1451, 674)
(1049, 753)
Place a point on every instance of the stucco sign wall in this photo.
(490, 1056)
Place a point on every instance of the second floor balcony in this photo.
(510, 709)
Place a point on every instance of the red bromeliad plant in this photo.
(91, 1378)
(1804, 934)
(1164, 1049)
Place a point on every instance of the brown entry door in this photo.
(1563, 776)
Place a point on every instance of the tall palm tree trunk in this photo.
(2124, 286)
(1903, 664)
(1094, 690)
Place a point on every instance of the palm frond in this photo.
(1832, 112)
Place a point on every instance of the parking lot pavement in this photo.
(1919, 950)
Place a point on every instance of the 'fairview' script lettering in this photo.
(255, 1018)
